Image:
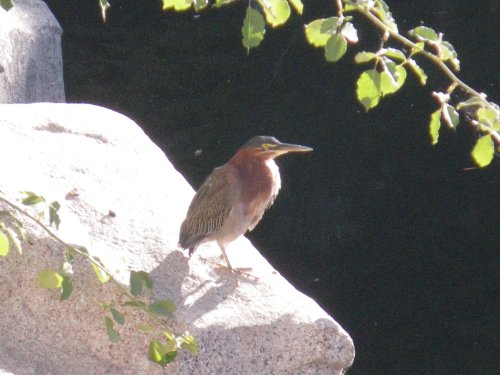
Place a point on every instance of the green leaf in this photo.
(53, 215)
(423, 33)
(156, 353)
(319, 31)
(483, 151)
(297, 5)
(448, 54)
(162, 308)
(200, 4)
(4, 244)
(335, 48)
(49, 279)
(363, 57)
(190, 343)
(31, 198)
(101, 275)
(419, 72)
(392, 78)
(394, 54)
(177, 5)
(114, 335)
(367, 89)
(253, 29)
(6, 4)
(434, 125)
(138, 281)
(138, 304)
(117, 316)
(450, 116)
(66, 288)
(14, 239)
(276, 11)
(487, 117)
(160, 353)
(385, 15)
(220, 3)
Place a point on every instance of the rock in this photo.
(31, 68)
(107, 164)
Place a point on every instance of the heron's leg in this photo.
(224, 255)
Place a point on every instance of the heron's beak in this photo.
(289, 147)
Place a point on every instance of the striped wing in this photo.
(208, 210)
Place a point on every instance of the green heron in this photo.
(232, 200)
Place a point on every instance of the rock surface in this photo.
(262, 326)
(31, 68)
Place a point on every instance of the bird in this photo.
(234, 197)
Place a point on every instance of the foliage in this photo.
(388, 65)
(6, 4)
(138, 297)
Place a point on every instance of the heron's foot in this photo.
(238, 271)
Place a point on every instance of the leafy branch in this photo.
(389, 65)
(163, 348)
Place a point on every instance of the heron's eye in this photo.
(268, 146)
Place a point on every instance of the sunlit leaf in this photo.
(101, 274)
(66, 288)
(483, 151)
(219, 3)
(335, 48)
(156, 353)
(392, 78)
(200, 4)
(276, 11)
(450, 116)
(394, 54)
(138, 281)
(114, 335)
(319, 31)
(162, 308)
(53, 215)
(434, 125)
(423, 33)
(177, 5)
(31, 198)
(487, 117)
(253, 29)
(160, 353)
(448, 54)
(349, 32)
(13, 239)
(117, 316)
(4, 244)
(363, 57)
(367, 89)
(385, 15)
(190, 343)
(49, 279)
(297, 5)
(419, 72)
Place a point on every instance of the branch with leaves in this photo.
(389, 64)
(165, 345)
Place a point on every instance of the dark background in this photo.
(398, 240)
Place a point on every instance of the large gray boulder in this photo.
(255, 326)
(31, 68)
